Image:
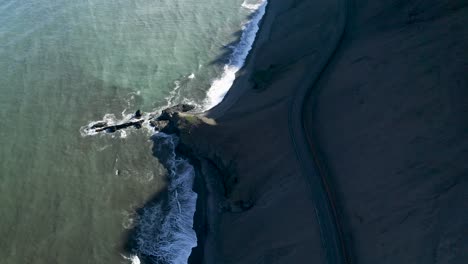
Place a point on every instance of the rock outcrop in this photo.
(159, 123)
(180, 108)
(115, 128)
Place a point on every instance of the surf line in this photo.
(220, 86)
(166, 234)
(164, 231)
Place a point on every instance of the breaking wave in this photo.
(173, 98)
(134, 259)
(164, 233)
(221, 86)
(248, 5)
(163, 230)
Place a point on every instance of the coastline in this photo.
(209, 191)
(208, 197)
(200, 141)
(262, 211)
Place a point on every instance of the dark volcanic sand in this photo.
(389, 116)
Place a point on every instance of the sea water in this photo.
(66, 197)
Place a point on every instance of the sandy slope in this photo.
(388, 114)
(251, 144)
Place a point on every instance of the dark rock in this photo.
(110, 129)
(187, 107)
(180, 108)
(137, 114)
(99, 124)
(171, 127)
(137, 125)
(114, 128)
(159, 124)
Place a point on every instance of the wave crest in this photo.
(221, 86)
(164, 232)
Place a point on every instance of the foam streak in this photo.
(165, 229)
(221, 86)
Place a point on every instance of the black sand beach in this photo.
(383, 158)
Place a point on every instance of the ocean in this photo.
(70, 197)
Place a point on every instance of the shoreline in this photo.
(206, 203)
(201, 152)
(349, 113)
(237, 86)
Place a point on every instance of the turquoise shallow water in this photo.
(65, 198)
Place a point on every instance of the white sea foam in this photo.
(110, 120)
(87, 131)
(103, 148)
(248, 5)
(123, 134)
(165, 229)
(134, 259)
(128, 219)
(173, 95)
(221, 86)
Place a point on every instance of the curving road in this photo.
(331, 236)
